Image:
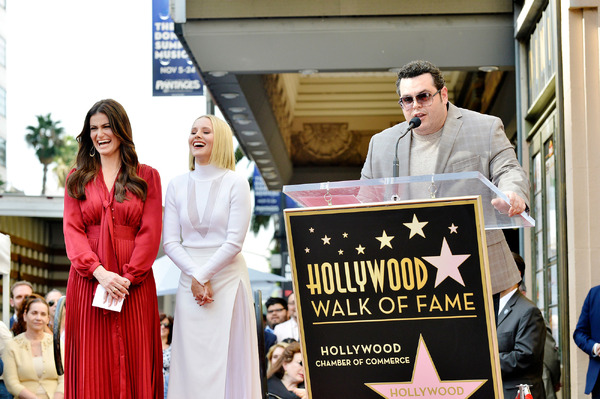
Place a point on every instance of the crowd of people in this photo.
(27, 364)
(27, 348)
(285, 372)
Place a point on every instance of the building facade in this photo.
(38, 254)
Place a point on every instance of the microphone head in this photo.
(414, 122)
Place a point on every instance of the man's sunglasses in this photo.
(423, 99)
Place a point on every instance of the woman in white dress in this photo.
(214, 353)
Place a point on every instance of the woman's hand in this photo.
(116, 286)
(202, 293)
(27, 394)
(208, 293)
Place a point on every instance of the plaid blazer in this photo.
(470, 141)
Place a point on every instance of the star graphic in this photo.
(312, 230)
(426, 381)
(416, 227)
(447, 264)
(341, 252)
(307, 249)
(326, 240)
(345, 235)
(360, 249)
(385, 240)
(453, 229)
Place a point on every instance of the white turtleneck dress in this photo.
(214, 353)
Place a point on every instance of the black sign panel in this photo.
(394, 300)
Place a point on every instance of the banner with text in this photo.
(173, 73)
(265, 202)
(394, 300)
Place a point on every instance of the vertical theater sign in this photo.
(173, 72)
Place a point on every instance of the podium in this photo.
(393, 287)
(410, 188)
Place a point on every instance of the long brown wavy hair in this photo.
(87, 167)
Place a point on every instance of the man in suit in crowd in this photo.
(587, 338)
(18, 292)
(521, 334)
(451, 139)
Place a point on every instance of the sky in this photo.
(63, 56)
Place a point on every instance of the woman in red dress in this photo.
(112, 226)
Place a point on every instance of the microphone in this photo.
(414, 122)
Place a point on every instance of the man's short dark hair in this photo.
(276, 300)
(19, 283)
(418, 68)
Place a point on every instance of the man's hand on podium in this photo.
(517, 204)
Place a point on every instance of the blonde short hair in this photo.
(222, 154)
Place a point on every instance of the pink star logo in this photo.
(426, 382)
(447, 265)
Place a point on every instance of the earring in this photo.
(93, 152)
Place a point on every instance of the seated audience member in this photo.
(289, 328)
(29, 370)
(18, 292)
(276, 311)
(274, 354)
(286, 374)
(166, 336)
(52, 298)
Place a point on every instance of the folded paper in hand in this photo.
(99, 300)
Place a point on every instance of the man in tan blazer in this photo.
(449, 140)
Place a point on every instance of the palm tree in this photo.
(65, 159)
(46, 139)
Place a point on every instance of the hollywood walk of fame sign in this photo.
(394, 300)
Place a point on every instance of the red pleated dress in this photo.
(113, 354)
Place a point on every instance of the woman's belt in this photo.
(122, 232)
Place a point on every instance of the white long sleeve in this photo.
(227, 222)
